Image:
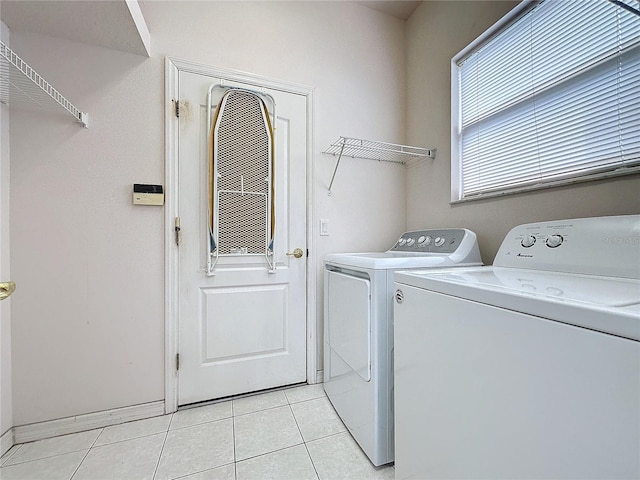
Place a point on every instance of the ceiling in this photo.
(398, 8)
(116, 24)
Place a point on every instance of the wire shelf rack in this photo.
(21, 85)
(382, 151)
(372, 150)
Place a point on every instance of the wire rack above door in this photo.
(372, 150)
(22, 85)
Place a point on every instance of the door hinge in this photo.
(176, 229)
(176, 104)
(177, 361)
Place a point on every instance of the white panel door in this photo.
(242, 329)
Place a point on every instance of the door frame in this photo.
(172, 266)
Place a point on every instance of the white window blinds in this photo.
(554, 95)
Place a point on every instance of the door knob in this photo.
(6, 289)
(296, 253)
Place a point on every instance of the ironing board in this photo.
(241, 187)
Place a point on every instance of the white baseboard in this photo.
(6, 441)
(89, 421)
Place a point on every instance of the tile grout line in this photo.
(49, 456)
(200, 471)
(328, 436)
(261, 410)
(42, 458)
(129, 439)
(289, 403)
(166, 432)
(85, 455)
(269, 453)
(197, 424)
(307, 399)
(313, 464)
(171, 421)
(304, 442)
(278, 449)
(164, 442)
(233, 439)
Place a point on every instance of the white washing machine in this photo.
(529, 368)
(358, 328)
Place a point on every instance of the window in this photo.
(549, 96)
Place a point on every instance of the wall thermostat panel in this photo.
(144, 194)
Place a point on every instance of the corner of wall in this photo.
(6, 392)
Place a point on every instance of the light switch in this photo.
(324, 227)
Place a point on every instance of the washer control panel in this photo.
(598, 246)
(551, 241)
(430, 241)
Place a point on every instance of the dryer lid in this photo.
(417, 249)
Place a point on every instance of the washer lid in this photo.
(606, 304)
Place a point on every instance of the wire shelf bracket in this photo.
(372, 150)
(21, 84)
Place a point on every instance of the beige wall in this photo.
(89, 321)
(6, 404)
(435, 33)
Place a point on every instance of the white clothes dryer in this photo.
(529, 368)
(358, 328)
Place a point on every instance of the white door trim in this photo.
(172, 67)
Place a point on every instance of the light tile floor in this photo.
(285, 434)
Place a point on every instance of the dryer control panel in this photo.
(608, 246)
(430, 241)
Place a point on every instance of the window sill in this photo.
(623, 171)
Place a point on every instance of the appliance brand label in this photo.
(620, 240)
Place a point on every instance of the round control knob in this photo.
(421, 239)
(401, 242)
(410, 241)
(528, 241)
(427, 241)
(554, 241)
(439, 241)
